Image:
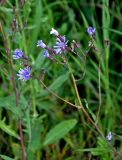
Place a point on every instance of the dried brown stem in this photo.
(71, 104)
(80, 103)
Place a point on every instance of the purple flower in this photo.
(61, 44)
(109, 136)
(24, 74)
(41, 44)
(55, 32)
(90, 30)
(17, 54)
(46, 54)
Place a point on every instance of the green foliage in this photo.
(102, 150)
(35, 140)
(8, 129)
(58, 82)
(48, 123)
(9, 103)
(59, 131)
(6, 157)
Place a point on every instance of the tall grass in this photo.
(66, 112)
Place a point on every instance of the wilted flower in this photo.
(90, 30)
(24, 74)
(41, 44)
(17, 54)
(46, 54)
(55, 32)
(109, 136)
(61, 45)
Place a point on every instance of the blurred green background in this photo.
(52, 129)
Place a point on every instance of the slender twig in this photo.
(71, 104)
(8, 51)
(81, 105)
(84, 111)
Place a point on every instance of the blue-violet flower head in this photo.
(90, 30)
(61, 45)
(17, 54)
(109, 136)
(41, 44)
(46, 54)
(55, 32)
(24, 74)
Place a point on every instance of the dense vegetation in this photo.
(70, 106)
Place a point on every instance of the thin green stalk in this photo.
(33, 98)
(99, 87)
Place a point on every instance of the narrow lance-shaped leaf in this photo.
(5, 157)
(59, 131)
(8, 130)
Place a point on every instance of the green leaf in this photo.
(116, 31)
(102, 150)
(94, 151)
(55, 85)
(35, 142)
(9, 103)
(59, 131)
(8, 130)
(5, 157)
(58, 82)
(37, 20)
(4, 9)
(39, 61)
(89, 110)
(36, 128)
